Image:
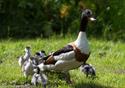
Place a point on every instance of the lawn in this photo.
(106, 56)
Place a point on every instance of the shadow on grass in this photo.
(90, 85)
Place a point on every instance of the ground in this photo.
(106, 56)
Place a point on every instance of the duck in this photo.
(74, 54)
(27, 55)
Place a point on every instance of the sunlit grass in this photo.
(106, 56)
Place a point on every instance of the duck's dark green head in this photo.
(87, 13)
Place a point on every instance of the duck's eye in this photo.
(89, 13)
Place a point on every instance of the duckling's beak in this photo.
(92, 19)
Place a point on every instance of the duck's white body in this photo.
(66, 61)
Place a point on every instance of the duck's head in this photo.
(87, 14)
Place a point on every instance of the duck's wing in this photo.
(65, 49)
(59, 54)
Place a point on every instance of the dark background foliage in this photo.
(43, 18)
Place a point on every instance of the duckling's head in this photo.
(27, 49)
(41, 54)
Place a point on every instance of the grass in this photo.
(106, 56)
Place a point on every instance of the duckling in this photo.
(32, 62)
(27, 63)
(40, 55)
(27, 68)
(39, 78)
(88, 69)
(22, 59)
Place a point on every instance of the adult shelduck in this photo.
(74, 54)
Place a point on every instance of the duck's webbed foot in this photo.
(67, 77)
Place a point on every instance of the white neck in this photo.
(82, 43)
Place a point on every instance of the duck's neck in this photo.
(82, 32)
(81, 41)
(83, 24)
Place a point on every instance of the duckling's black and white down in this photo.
(39, 78)
(26, 63)
(32, 62)
(27, 55)
(27, 68)
(72, 55)
(41, 54)
(88, 69)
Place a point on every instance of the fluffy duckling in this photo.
(27, 68)
(22, 59)
(39, 78)
(40, 55)
(32, 62)
(88, 69)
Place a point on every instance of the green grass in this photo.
(106, 56)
